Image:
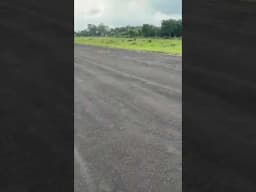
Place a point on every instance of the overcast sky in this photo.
(116, 13)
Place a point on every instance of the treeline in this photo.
(168, 28)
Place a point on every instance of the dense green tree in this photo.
(169, 28)
(83, 33)
(92, 30)
(102, 29)
(148, 30)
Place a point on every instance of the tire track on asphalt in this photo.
(84, 171)
(160, 139)
(133, 77)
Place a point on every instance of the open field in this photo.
(167, 46)
(127, 121)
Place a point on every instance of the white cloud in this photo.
(124, 12)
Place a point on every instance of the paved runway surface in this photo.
(127, 121)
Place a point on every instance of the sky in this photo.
(116, 13)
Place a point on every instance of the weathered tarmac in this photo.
(128, 128)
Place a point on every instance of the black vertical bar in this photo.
(219, 96)
(37, 86)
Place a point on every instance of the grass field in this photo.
(167, 46)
